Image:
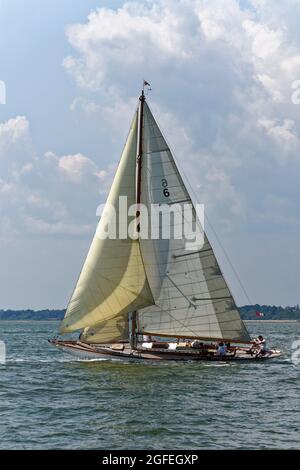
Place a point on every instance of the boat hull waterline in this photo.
(127, 353)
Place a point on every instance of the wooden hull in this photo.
(124, 352)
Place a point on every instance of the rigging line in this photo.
(209, 223)
(176, 287)
(228, 260)
(176, 319)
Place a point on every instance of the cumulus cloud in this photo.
(221, 75)
(283, 134)
(136, 35)
(6, 188)
(46, 195)
(88, 106)
(74, 168)
(13, 130)
(15, 145)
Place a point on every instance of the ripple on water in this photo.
(51, 400)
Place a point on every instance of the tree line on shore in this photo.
(248, 312)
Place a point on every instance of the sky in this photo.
(222, 74)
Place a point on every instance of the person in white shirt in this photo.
(260, 345)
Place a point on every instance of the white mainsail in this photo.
(112, 281)
(191, 296)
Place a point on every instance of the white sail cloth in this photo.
(107, 331)
(112, 281)
(191, 296)
(178, 292)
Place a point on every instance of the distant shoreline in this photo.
(272, 321)
(249, 313)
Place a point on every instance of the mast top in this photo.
(142, 97)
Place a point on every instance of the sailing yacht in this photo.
(150, 297)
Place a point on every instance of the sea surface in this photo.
(49, 400)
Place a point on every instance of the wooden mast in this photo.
(138, 196)
(139, 157)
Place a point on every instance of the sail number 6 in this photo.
(164, 184)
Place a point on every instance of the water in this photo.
(48, 400)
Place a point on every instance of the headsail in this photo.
(112, 281)
(191, 296)
(108, 331)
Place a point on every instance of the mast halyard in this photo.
(138, 196)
